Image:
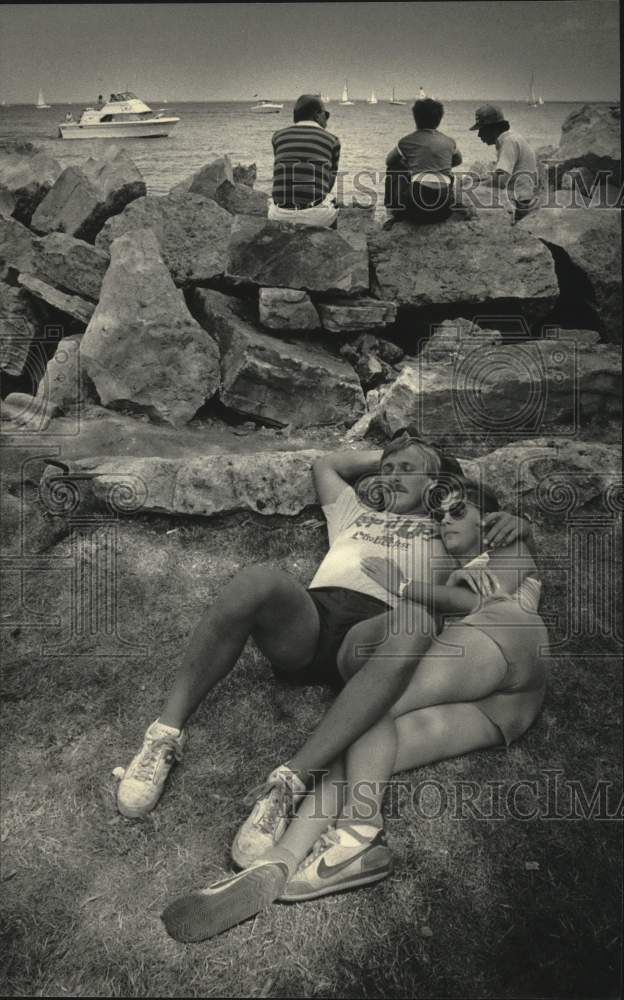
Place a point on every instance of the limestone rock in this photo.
(288, 256)
(83, 198)
(586, 246)
(207, 179)
(456, 336)
(590, 138)
(366, 355)
(18, 328)
(287, 309)
(73, 306)
(447, 269)
(550, 477)
(28, 173)
(193, 233)
(7, 203)
(16, 247)
(240, 199)
(273, 380)
(264, 482)
(360, 314)
(142, 347)
(245, 174)
(70, 265)
(64, 388)
(504, 392)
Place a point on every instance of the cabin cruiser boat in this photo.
(267, 108)
(123, 116)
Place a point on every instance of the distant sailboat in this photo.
(532, 100)
(324, 98)
(344, 100)
(41, 102)
(394, 100)
(372, 99)
(422, 96)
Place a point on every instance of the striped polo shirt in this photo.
(305, 165)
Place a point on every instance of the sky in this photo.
(217, 51)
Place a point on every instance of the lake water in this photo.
(207, 130)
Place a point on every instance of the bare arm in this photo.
(338, 469)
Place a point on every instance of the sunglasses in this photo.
(456, 510)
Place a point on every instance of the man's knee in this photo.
(253, 586)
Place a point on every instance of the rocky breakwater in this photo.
(589, 152)
(190, 313)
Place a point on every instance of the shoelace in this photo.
(280, 803)
(330, 838)
(146, 766)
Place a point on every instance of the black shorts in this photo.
(338, 610)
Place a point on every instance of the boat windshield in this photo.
(127, 96)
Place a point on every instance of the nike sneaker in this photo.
(206, 912)
(276, 801)
(143, 782)
(343, 858)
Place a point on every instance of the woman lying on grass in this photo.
(480, 684)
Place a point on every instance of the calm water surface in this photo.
(207, 130)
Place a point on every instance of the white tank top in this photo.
(528, 593)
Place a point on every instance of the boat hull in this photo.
(152, 129)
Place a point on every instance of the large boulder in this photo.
(240, 199)
(64, 388)
(70, 265)
(288, 256)
(72, 306)
(18, 328)
(272, 380)
(142, 348)
(586, 246)
(193, 233)
(551, 478)
(265, 482)
(207, 179)
(245, 174)
(463, 268)
(287, 309)
(500, 392)
(590, 139)
(16, 247)
(83, 198)
(28, 173)
(456, 336)
(8, 202)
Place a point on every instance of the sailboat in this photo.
(422, 96)
(344, 100)
(372, 99)
(41, 104)
(324, 98)
(394, 100)
(532, 100)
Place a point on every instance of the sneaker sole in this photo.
(354, 882)
(200, 915)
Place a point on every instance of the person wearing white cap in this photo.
(516, 165)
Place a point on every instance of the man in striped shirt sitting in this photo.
(305, 167)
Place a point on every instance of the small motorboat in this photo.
(267, 108)
(123, 116)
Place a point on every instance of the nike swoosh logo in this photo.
(326, 871)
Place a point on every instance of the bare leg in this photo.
(317, 811)
(260, 601)
(396, 640)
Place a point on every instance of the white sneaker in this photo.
(343, 858)
(144, 780)
(280, 794)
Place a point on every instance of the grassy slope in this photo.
(461, 917)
